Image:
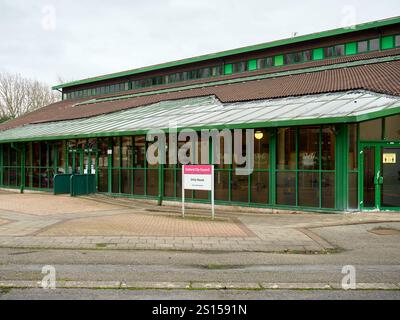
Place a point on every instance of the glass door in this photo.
(380, 181)
(390, 176)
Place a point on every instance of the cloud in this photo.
(88, 38)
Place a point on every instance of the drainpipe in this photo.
(22, 186)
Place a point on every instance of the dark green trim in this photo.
(228, 53)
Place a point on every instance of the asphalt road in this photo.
(376, 260)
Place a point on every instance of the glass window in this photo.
(339, 50)
(397, 41)
(259, 187)
(307, 55)
(240, 187)
(286, 145)
(261, 149)
(328, 190)
(362, 46)
(169, 182)
(289, 58)
(353, 150)
(353, 190)
(329, 52)
(309, 189)
(374, 45)
(371, 130)
(392, 127)
(286, 188)
(140, 152)
(222, 185)
(328, 148)
(239, 67)
(309, 148)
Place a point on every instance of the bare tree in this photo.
(20, 95)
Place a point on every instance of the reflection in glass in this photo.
(371, 130)
(259, 187)
(309, 189)
(392, 127)
(286, 149)
(286, 188)
(309, 148)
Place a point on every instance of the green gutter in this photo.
(228, 53)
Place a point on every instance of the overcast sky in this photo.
(47, 40)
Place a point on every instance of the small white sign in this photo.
(198, 177)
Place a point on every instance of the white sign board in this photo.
(198, 177)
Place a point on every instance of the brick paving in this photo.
(143, 226)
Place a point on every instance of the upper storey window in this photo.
(253, 64)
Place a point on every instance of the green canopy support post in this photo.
(22, 156)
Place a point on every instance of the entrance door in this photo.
(380, 180)
(82, 160)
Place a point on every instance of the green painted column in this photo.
(342, 165)
(109, 160)
(1, 165)
(272, 165)
(23, 156)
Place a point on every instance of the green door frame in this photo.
(378, 170)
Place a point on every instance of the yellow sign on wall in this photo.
(389, 158)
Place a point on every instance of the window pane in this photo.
(126, 181)
(307, 55)
(309, 148)
(169, 182)
(328, 148)
(328, 190)
(222, 185)
(374, 45)
(127, 152)
(309, 189)
(139, 154)
(240, 187)
(392, 127)
(261, 149)
(286, 188)
(152, 182)
(286, 145)
(259, 187)
(138, 187)
(339, 50)
(328, 52)
(397, 41)
(353, 150)
(362, 46)
(353, 191)
(371, 130)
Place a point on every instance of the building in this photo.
(325, 108)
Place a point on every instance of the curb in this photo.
(21, 284)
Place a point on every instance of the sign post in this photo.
(198, 177)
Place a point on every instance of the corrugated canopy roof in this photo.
(206, 112)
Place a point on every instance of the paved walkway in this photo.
(47, 221)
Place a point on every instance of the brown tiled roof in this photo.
(381, 77)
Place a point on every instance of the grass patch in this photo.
(101, 245)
